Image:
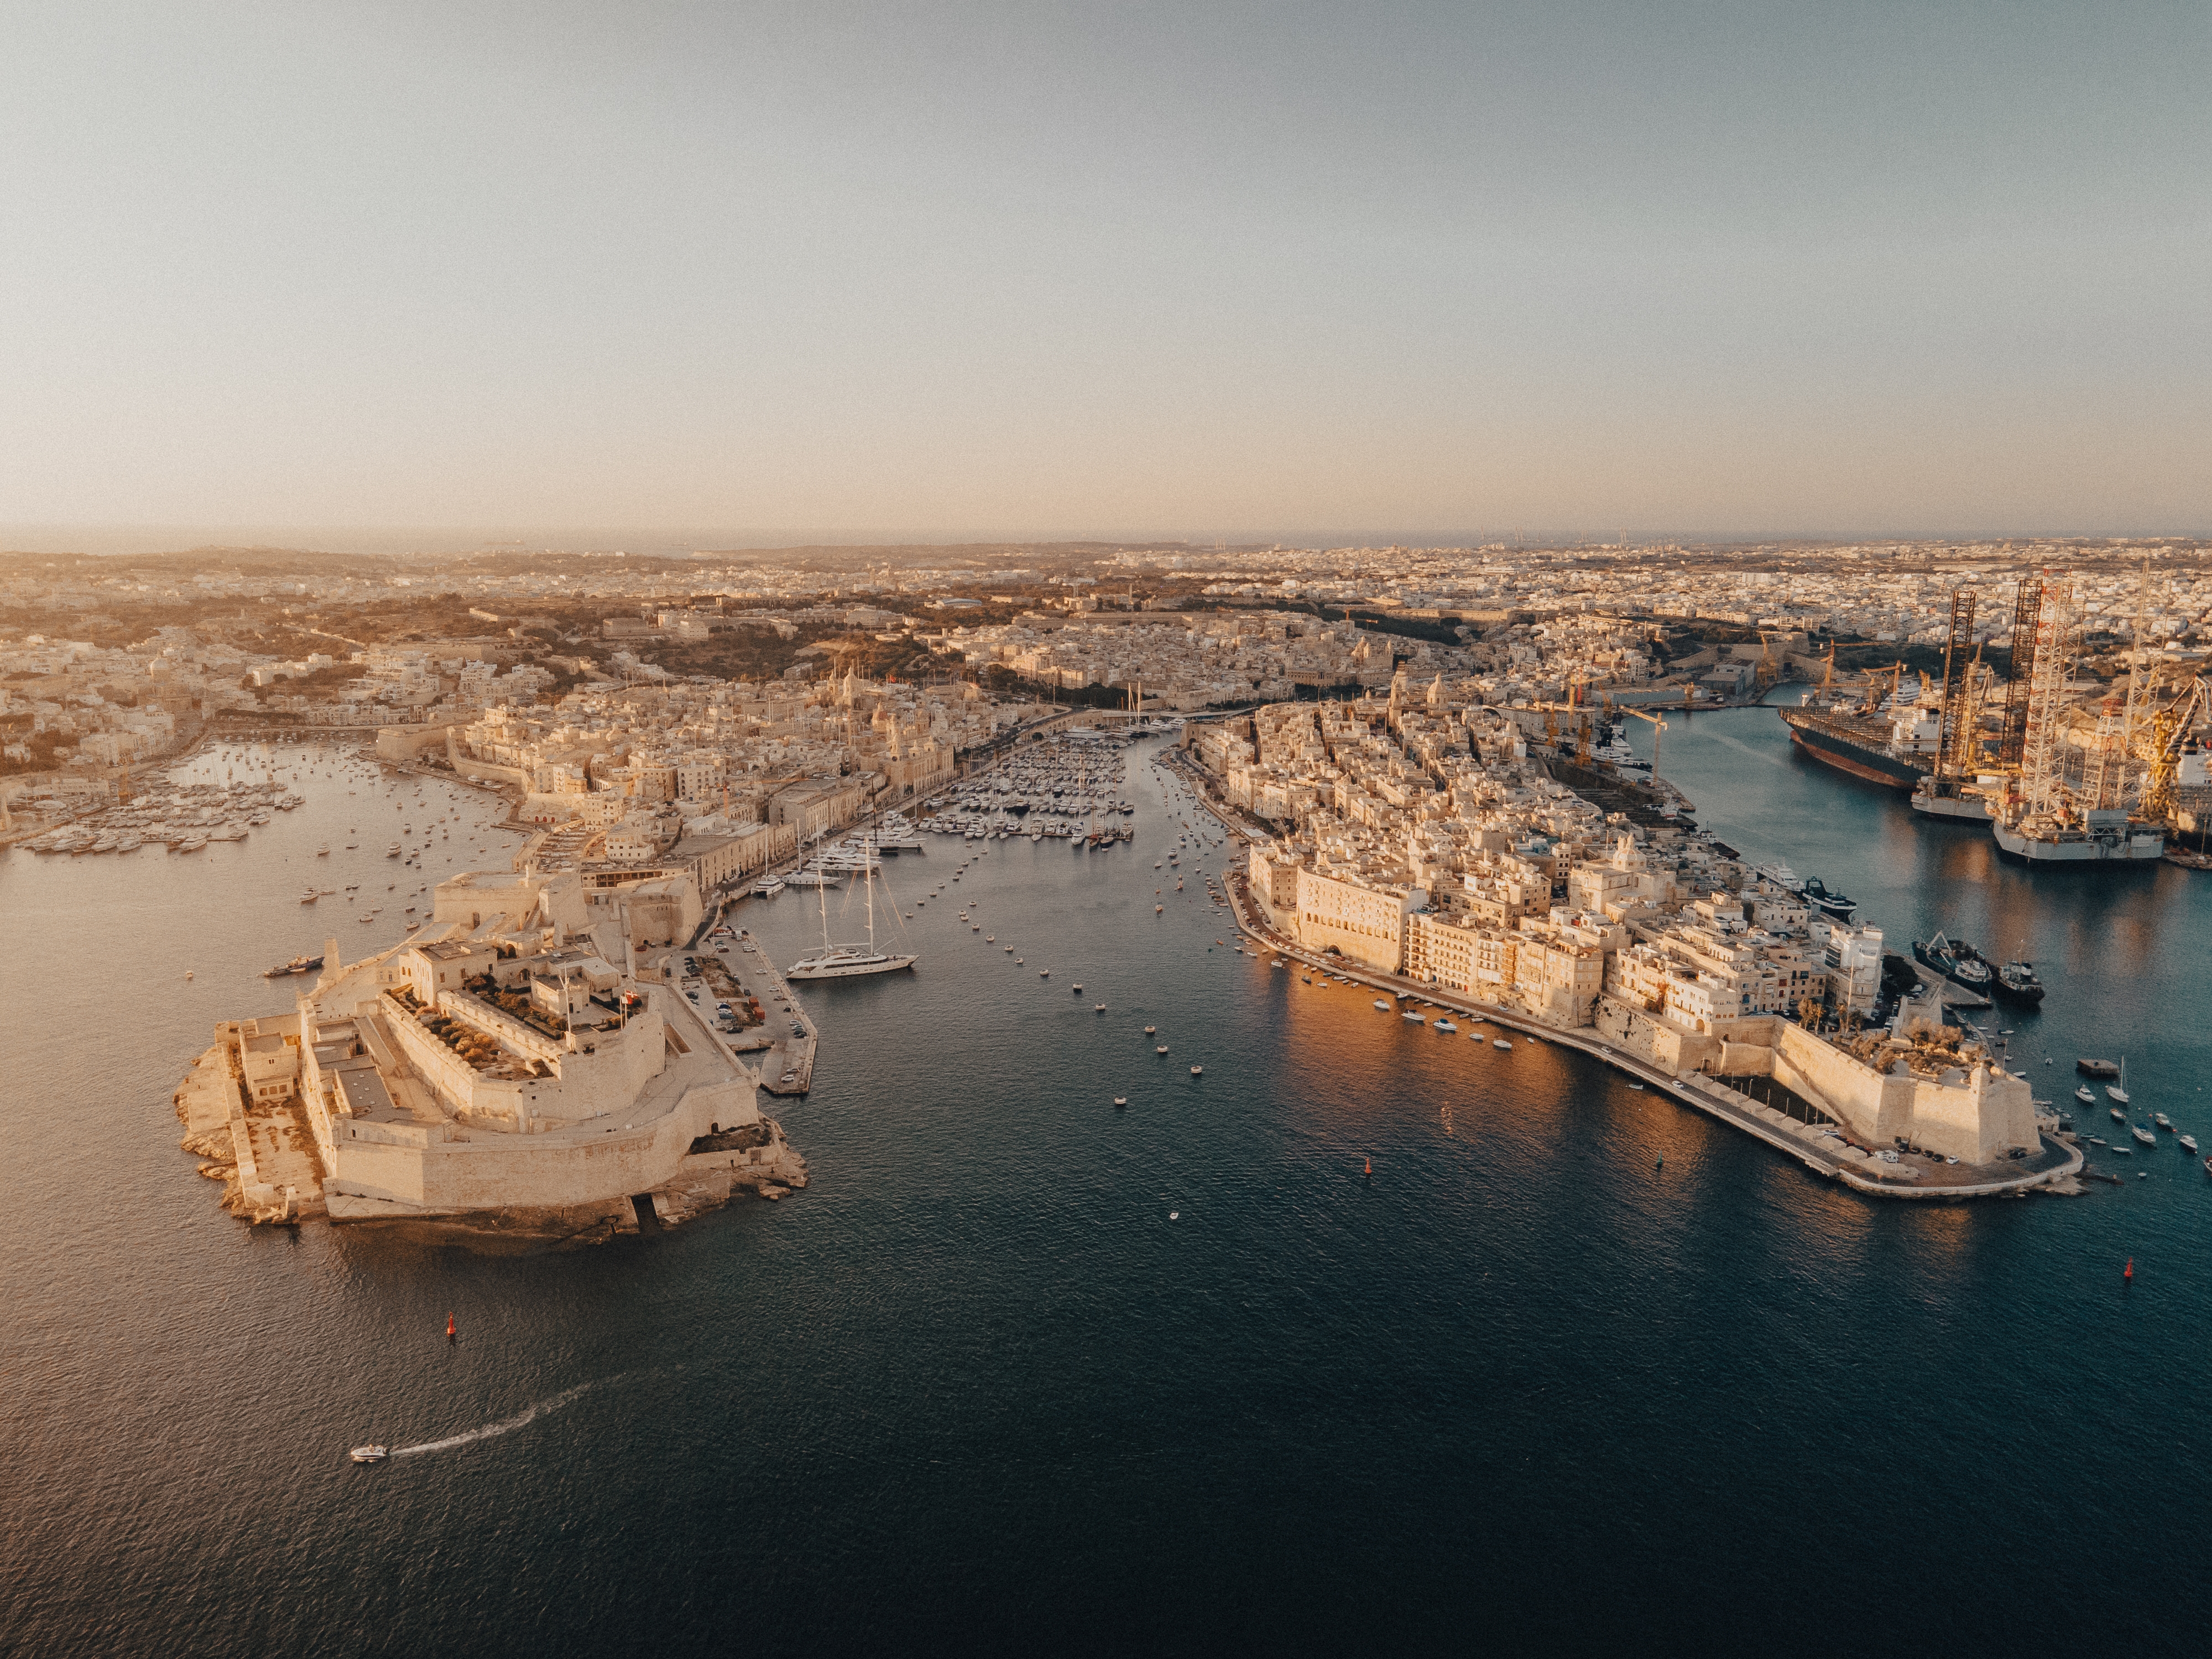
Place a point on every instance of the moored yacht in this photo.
(849, 961)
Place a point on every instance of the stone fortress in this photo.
(498, 1067)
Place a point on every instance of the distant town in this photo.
(536, 661)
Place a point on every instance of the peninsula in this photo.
(496, 1070)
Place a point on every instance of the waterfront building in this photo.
(1433, 848)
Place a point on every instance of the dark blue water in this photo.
(974, 1389)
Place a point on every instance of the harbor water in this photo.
(1019, 1371)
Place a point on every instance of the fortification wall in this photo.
(401, 1168)
(1979, 1120)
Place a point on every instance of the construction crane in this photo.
(1769, 670)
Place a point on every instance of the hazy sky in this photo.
(1203, 268)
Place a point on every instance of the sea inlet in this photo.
(1023, 1372)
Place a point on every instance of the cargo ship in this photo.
(1895, 753)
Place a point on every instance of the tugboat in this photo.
(1833, 902)
(2016, 982)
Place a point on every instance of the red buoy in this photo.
(2130, 1273)
(1370, 1166)
(449, 1328)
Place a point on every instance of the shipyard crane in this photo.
(1580, 720)
(1768, 671)
(2168, 726)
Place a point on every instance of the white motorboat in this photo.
(769, 888)
(1499, 1042)
(369, 1454)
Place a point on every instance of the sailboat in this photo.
(2118, 1091)
(849, 961)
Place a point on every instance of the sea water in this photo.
(975, 1389)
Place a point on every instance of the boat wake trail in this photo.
(1756, 754)
(505, 1425)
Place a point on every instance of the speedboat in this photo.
(2083, 1094)
(1416, 1018)
(2161, 1120)
(1447, 1027)
(1383, 1006)
(2189, 1143)
(2143, 1137)
(1499, 1042)
(369, 1454)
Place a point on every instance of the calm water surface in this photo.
(975, 1389)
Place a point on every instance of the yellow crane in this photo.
(1579, 720)
(1768, 668)
(2168, 726)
